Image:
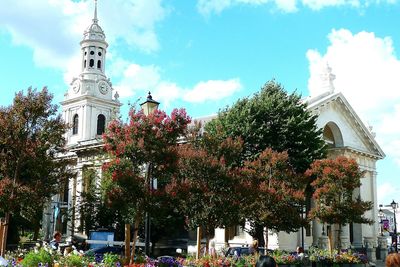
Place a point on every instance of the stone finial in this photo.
(116, 96)
(327, 78)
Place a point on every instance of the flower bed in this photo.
(336, 258)
(44, 256)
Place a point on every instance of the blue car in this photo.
(103, 250)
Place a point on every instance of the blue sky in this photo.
(205, 54)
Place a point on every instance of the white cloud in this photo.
(386, 191)
(207, 7)
(137, 80)
(319, 4)
(53, 28)
(212, 90)
(367, 72)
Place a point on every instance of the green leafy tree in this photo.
(31, 137)
(334, 182)
(272, 118)
(144, 147)
(272, 192)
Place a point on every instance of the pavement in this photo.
(378, 263)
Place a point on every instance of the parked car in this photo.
(103, 250)
(237, 251)
(241, 251)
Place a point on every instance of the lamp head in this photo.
(149, 105)
(380, 213)
(393, 204)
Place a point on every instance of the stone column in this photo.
(344, 237)
(323, 242)
(383, 247)
(369, 243)
(316, 232)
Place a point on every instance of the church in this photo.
(90, 104)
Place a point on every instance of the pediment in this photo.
(334, 109)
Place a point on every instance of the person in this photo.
(211, 250)
(300, 252)
(54, 244)
(393, 260)
(253, 247)
(266, 261)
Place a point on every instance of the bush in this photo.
(34, 258)
(110, 260)
(72, 260)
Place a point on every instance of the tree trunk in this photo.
(266, 240)
(36, 232)
(198, 242)
(135, 234)
(127, 240)
(3, 246)
(259, 235)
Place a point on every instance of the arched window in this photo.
(75, 124)
(99, 64)
(84, 64)
(91, 63)
(101, 124)
(332, 135)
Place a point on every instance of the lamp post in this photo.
(394, 207)
(148, 107)
(380, 215)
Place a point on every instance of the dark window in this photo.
(85, 53)
(99, 64)
(101, 123)
(99, 54)
(91, 63)
(75, 124)
(84, 64)
(92, 52)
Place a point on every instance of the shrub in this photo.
(34, 258)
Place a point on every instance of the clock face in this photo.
(76, 86)
(103, 87)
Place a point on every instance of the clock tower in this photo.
(89, 103)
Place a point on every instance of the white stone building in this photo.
(346, 135)
(89, 105)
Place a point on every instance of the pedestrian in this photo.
(211, 249)
(393, 260)
(54, 244)
(300, 252)
(266, 261)
(253, 247)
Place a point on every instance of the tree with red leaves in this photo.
(206, 187)
(334, 182)
(273, 193)
(31, 137)
(144, 147)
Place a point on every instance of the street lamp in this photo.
(380, 215)
(394, 207)
(148, 107)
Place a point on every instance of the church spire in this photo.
(95, 20)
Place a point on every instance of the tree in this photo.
(206, 186)
(31, 137)
(273, 193)
(334, 182)
(144, 147)
(273, 119)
